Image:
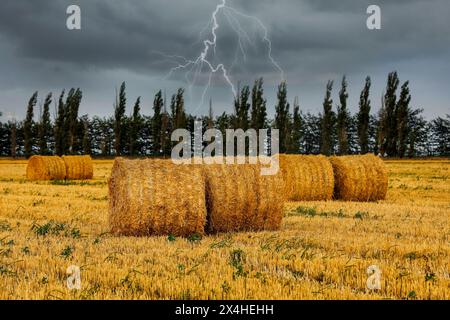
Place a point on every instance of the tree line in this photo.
(395, 130)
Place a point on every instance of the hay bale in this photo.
(79, 167)
(156, 197)
(239, 198)
(46, 168)
(359, 178)
(307, 178)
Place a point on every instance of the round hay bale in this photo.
(46, 168)
(307, 177)
(359, 178)
(239, 198)
(79, 167)
(156, 197)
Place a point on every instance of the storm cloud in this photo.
(138, 41)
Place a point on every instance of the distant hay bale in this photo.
(156, 197)
(359, 178)
(239, 198)
(46, 168)
(79, 167)
(307, 177)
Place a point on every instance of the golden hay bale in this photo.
(239, 198)
(156, 197)
(79, 167)
(359, 178)
(46, 168)
(307, 178)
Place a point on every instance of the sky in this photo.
(141, 42)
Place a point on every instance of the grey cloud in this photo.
(313, 40)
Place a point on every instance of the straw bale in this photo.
(79, 167)
(46, 168)
(307, 177)
(156, 197)
(239, 198)
(359, 178)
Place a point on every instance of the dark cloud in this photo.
(312, 40)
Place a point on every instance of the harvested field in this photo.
(321, 251)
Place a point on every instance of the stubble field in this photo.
(321, 252)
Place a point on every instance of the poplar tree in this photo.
(402, 116)
(282, 117)
(327, 122)
(242, 108)
(28, 125)
(59, 126)
(388, 123)
(166, 130)
(135, 128)
(158, 104)
(363, 118)
(45, 127)
(119, 119)
(179, 117)
(258, 118)
(67, 120)
(297, 124)
(342, 121)
(72, 106)
(13, 138)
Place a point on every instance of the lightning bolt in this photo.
(193, 68)
(265, 38)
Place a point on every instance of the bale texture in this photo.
(79, 167)
(307, 178)
(359, 178)
(46, 168)
(156, 197)
(239, 198)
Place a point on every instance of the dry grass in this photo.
(322, 250)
